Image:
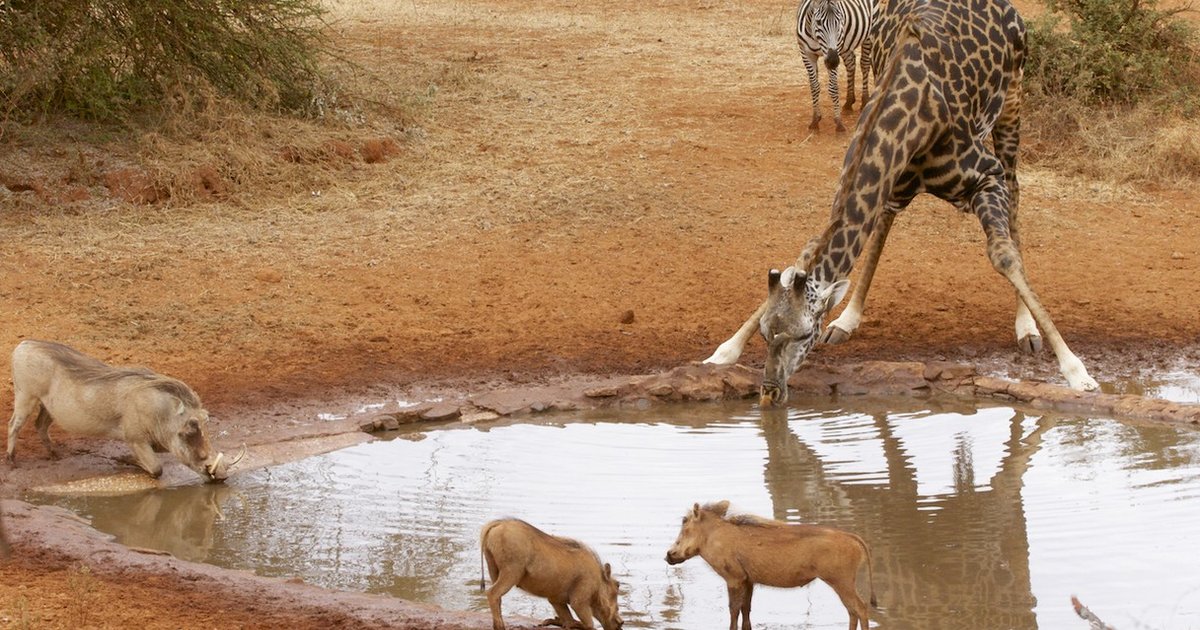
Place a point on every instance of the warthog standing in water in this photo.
(748, 550)
(564, 571)
(55, 383)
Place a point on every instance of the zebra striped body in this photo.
(833, 30)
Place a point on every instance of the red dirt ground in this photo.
(588, 190)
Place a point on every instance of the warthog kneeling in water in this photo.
(748, 550)
(564, 571)
(55, 383)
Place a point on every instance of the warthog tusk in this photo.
(216, 462)
(239, 457)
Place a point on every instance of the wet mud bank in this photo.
(48, 536)
(698, 383)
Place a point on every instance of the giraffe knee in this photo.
(1004, 258)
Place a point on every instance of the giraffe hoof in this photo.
(1030, 344)
(834, 335)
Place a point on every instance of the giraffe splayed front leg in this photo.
(728, 352)
(843, 327)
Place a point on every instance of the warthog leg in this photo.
(846, 591)
(563, 618)
(583, 610)
(739, 596)
(143, 455)
(501, 584)
(42, 424)
(24, 407)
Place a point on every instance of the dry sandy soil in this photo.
(564, 189)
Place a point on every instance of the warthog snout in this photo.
(218, 469)
(673, 559)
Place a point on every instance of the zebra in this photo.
(833, 29)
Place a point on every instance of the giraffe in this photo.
(948, 77)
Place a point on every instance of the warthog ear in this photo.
(720, 508)
(696, 509)
(607, 571)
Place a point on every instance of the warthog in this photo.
(748, 550)
(55, 383)
(564, 571)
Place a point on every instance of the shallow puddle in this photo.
(980, 518)
(1174, 385)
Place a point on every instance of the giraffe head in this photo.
(796, 307)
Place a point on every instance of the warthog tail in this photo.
(483, 536)
(482, 575)
(870, 570)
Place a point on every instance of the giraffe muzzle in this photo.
(771, 395)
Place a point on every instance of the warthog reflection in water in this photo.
(564, 571)
(748, 550)
(56, 383)
(180, 521)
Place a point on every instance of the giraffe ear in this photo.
(831, 295)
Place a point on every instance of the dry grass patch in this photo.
(1139, 145)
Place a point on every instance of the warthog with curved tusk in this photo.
(562, 570)
(55, 383)
(748, 550)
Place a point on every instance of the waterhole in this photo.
(982, 517)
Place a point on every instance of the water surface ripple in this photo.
(981, 518)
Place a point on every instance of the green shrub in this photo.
(1113, 52)
(108, 59)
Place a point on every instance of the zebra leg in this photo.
(865, 61)
(848, 61)
(814, 86)
(833, 96)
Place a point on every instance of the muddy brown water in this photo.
(983, 517)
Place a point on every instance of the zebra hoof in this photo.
(1030, 344)
(840, 127)
(834, 335)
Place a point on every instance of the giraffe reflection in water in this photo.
(941, 562)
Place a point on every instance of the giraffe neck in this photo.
(836, 259)
(897, 120)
